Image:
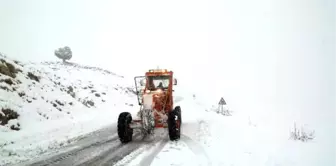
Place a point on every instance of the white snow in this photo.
(45, 124)
(247, 137)
(238, 140)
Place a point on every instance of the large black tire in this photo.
(178, 109)
(125, 133)
(174, 125)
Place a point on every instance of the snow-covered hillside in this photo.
(44, 106)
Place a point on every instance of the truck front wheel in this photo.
(174, 125)
(125, 132)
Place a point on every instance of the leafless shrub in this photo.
(33, 77)
(8, 81)
(302, 134)
(8, 114)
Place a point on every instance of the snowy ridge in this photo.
(79, 66)
(55, 103)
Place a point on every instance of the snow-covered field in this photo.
(213, 139)
(65, 102)
(70, 100)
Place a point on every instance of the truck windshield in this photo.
(156, 82)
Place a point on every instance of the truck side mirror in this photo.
(175, 81)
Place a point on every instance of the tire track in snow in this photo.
(76, 144)
(153, 147)
(89, 153)
(196, 148)
(157, 147)
(61, 157)
(201, 131)
(113, 155)
(150, 157)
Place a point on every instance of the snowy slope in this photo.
(213, 139)
(61, 103)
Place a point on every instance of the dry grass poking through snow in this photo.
(302, 134)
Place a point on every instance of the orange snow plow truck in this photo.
(157, 110)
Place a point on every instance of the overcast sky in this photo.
(263, 54)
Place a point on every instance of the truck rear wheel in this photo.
(174, 125)
(125, 132)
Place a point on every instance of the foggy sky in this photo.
(260, 55)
